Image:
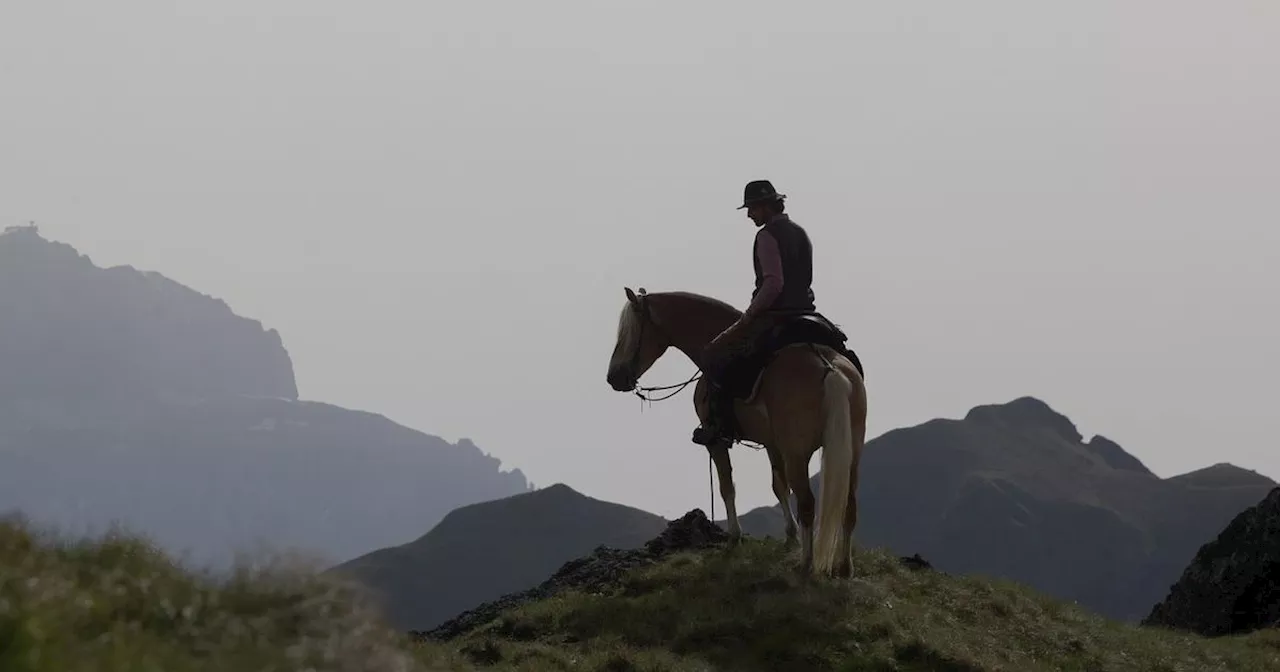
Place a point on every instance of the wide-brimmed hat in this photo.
(759, 191)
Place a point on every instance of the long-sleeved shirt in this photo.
(770, 260)
(784, 268)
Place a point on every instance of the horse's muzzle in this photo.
(621, 380)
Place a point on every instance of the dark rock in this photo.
(915, 562)
(1233, 584)
(689, 532)
(597, 572)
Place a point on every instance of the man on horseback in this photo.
(783, 260)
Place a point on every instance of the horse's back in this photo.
(797, 373)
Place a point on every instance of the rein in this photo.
(640, 391)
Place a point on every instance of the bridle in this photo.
(642, 304)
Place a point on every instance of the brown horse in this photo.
(807, 396)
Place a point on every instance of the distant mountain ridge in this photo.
(127, 397)
(83, 337)
(1013, 490)
(483, 551)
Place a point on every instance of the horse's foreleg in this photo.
(720, 455)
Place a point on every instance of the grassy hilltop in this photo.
(114, 603)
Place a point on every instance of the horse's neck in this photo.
(693, 326)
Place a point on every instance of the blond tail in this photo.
(837, 464)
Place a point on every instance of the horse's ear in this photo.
(631, 296)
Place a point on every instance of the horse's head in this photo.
(640, 343)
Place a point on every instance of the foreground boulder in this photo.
(1233, 584)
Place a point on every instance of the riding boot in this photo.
(719, 424)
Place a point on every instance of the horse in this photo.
(807, 396)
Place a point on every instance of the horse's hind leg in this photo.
(724, 468)
(797, 468)
(783, 493)
(844, 551)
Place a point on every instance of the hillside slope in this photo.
(116, 604)
(745, 609)
(482, 551)
(1012, 490)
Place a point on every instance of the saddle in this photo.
(741, 376)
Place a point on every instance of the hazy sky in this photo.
(439, 203)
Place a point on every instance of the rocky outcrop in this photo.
(1233, 584)
(78, 337)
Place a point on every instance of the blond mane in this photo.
(628, 334)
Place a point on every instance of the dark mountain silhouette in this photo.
(1232, 586)
(127, 397)
(484, 551)
(1013, 490)
(1222, 475)
(1010, 491)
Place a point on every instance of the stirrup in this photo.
(706, 437)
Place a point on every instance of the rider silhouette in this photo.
(783, 260)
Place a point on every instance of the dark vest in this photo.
(797, 265)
